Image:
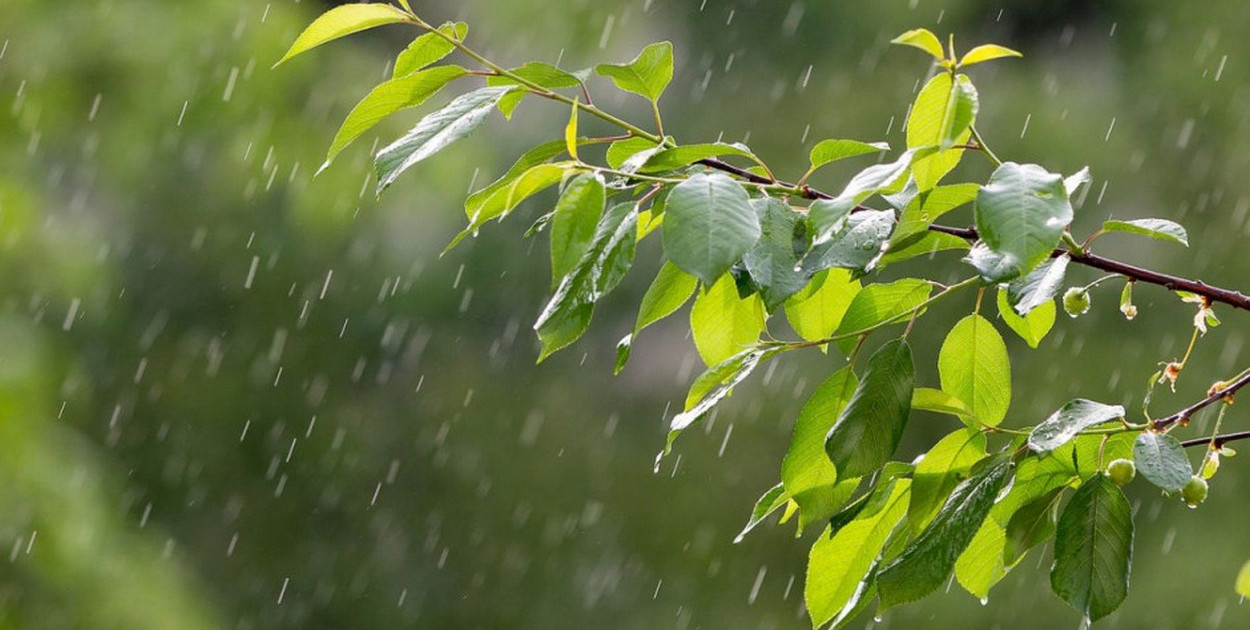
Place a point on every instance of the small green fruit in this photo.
(1122, 472)
(1076, 301)
(1194, 492)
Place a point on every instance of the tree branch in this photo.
(1232, 298)
(1219, 440)
(1225, 393)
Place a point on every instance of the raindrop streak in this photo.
(251, 273)
(282, 593)
(71, 314)
(755, 588)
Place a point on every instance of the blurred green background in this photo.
(233, 396)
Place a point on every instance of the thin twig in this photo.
(1222, 394)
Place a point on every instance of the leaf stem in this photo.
(976, 135)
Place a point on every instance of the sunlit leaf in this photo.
(924, 39)
(712, 387)
(771, 501)
(829, 151)
(838, 564)
(722, 323)
(428, 49)
(404, 92)
(816, 310)
(670, 290)
(807, 473)
(342, 21)
(986, 52)
(1161, 229)
(647, 75)
(974, 368)
(941, 469)
(1032, 328)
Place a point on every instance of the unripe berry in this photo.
(1076, 301)
(1122, 471)
(1194, 492)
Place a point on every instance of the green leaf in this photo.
(598, 271)
(647, 75)
(769, 502)
(570, 132)
(708, 225)
(837, 564)
(829, 151)
(722, 323)
(1243, 581)
(1161, 229)
(771, 261)
(927, 561)
(1032, 328)
(622, 150)
(543, 74)
(1031, 525)
(406, 91)
(928, 244)
(986, 52)
(807, 473)
(1162, 461)
(1094, 549)
(428, 49)
(974, 368)
(474, 205)
(941, 116)
(941, 469)
(1020, 215)
(435, 132)
(342, 21)
(677, 157)
(1073, 182)
(713, 386)
(1072, 418)
(922, 210)
(574, 222)
(670, 290)
(981, 565)
(517, 190)
(858, 244)
(816, 310)
(879, 303)
(1039, 286)
(924, 39)
(938, 401)
(868, 430)
(827, 215)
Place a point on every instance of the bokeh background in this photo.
(235, 396)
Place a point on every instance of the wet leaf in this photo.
(807, 473)
(722, 323)
(1072, 418)
(1020, 215)
(574, 222)
(829, 151)
(943, 468)
(868, 430)
(928, 561)
(708, 225)
(1161, 459)
(817, 309)
(670, 290)
(407, 91)
(713, 386)
(677, 157)
(435, 132)
(772, 260)
(1094, 549)
(1032, 328)
(1160, 229)
(857, 245)
(1038, 287)
(771, 501)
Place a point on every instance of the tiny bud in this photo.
(1076, 301)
